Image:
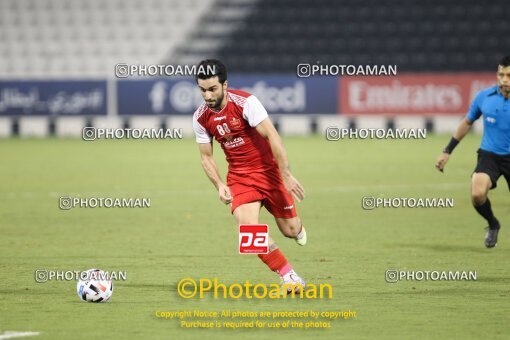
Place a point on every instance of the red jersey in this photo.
(234, 128)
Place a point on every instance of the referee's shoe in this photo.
(491, 238)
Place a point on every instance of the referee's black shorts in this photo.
(493, 165)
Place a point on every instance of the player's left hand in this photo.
(224, 194)
(294, 187)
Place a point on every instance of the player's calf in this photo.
(485, 210)
(292, 228)
(480, 186)
(289, 227)
(277, 262)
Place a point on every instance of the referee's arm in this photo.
(462, 130)
(464, 127)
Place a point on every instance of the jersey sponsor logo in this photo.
(491, 120)
(253, 239)
(220, 118)
(232, 143)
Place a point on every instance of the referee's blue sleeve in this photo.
(474, 111)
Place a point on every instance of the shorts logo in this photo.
(235, 123)
(491, 120)
(253, 239)
(288, 207)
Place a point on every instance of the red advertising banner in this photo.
(412, 93)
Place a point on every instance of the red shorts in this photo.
(262, 186)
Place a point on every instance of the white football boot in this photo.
(291, 281)
(301, 237)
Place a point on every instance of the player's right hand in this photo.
(293, 187)
(441, 161)
(224, 193)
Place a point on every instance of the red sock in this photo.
(276, 262)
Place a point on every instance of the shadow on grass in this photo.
(445, 247)
(466, 291)
(150, 286)
(493, 279)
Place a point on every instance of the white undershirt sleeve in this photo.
(202, 137)
(253, 111)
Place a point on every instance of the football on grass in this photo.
(95, 285)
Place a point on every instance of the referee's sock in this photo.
(486, 211)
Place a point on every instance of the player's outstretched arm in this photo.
(462, 130)
(268, 131)
(211, 170)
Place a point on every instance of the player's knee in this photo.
(478, 196)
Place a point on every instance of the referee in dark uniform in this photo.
(493, 105)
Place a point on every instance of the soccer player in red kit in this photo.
(258, 172)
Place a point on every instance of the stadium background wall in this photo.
(299, 106)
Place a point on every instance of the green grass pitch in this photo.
(188, 232)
